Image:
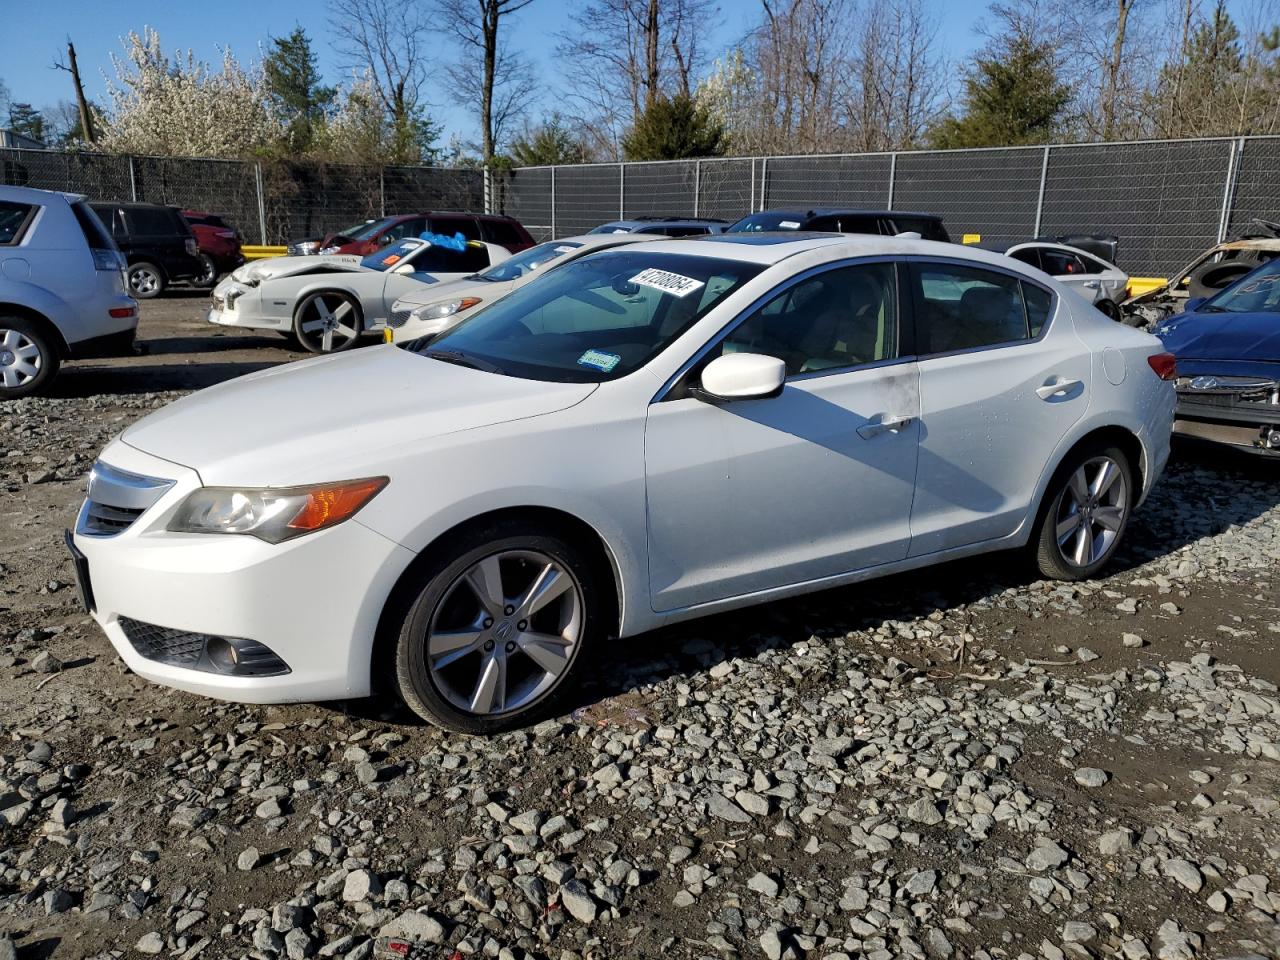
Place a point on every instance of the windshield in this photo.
(1256, 292)
(386, 258)
(361, 230)
(759, 222)
(598, 318)
(522, 263)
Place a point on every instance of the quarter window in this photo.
(841, 318)
(448, 226)
(13, 221)
(961, 308)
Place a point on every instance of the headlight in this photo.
(273, 514)
(246, 275)
(232, 294)
(446, 308)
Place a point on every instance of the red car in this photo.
(219, 244)
(365, 238)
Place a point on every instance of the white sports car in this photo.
(326, 302)
(1103, 284)
(432, 310)
(642, 436)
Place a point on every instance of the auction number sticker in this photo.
(672, 283)
(789, 224)
(600, 360)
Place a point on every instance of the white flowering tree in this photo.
(182, 107)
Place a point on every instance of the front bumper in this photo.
(314, 601)
(1251, 425)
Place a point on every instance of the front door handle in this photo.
(1091, 284)
(1057, 387)
(886, 424)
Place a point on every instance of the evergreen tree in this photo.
(26, 121)
(674, 128)
(1012, 96)
(551, 142)
(292, 82)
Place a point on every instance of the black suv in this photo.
(157, 243)
(886, 223)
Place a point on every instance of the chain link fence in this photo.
(1166, 200)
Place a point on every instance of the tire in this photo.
(327, 321)
(208, 275)
(470, 666)
(1109, 308)
(1212, 277)
(1067, 551)
(29, 358)
(146, 280)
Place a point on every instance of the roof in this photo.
(767, 248)
(842, 211)
(652, 221)
(132, 204)
(34, 195)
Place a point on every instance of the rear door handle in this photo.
(1057, 387)
(886, 424)
(1091, 284)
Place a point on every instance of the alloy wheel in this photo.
(505, 632)
(144, 281)
(1091, 512)
(20, 358)
(328, 323)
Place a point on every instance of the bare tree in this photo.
(389, 42)
(488, 73)
(624, 54)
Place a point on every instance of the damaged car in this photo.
(1228, 366)
(1096, 280)
(327, 302)
(1211, 271)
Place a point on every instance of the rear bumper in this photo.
(118, 344)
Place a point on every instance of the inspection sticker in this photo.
(600, 360)
(671, 283)
(789, 224)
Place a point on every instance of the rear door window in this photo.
(443, 260)
(449, 226)
(1029, 256)
(15, 218)
(927, 227)
(963, 308)
(1059, 263)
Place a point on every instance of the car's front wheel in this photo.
(1086, 512)
(327, 322)
(28, 358)
(497, 628)
(208, 275)
(145, 280)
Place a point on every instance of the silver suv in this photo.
(62, 293)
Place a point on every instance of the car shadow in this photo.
(88, 381)
(214, 343)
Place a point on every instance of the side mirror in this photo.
(743, 376)
(404, 268)
(1193, 304)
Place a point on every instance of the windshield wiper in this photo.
(1211, 308)
(463, 360)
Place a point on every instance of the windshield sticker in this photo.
(391, 260)
(789, 224)
(671, 283)
(600, 360)
(565, 249)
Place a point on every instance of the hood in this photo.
(1222, 336)
(321, 419)
(274, 267)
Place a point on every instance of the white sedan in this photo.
(327, 302)
(428, 312)
(1103, 284)
(643, 436)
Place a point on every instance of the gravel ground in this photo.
(957, 762)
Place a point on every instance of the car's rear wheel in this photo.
(145, 280)
(498, 626)
(327, 322)
(208, 274)
(1109, 308)
(28, 358)
(1086, 512)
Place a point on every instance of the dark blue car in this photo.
(1228, 356)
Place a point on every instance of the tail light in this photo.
(192, 247)
(1164, 364)
(120, 313)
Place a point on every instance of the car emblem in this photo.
(1204, 383)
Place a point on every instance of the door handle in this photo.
(886, 424)
(1091, 284)
(1057, 387)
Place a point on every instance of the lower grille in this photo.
(104, 519)
(163, 645)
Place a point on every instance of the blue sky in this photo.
(244, 25)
